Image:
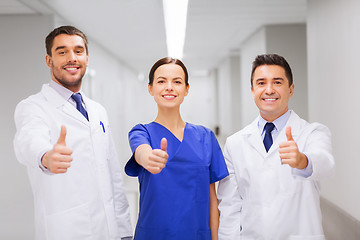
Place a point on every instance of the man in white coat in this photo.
(64, 139)
(275, 164)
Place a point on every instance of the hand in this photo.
(289, 152)
(158, 158)
(58, 159)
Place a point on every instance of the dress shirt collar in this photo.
(64, 92)
(279, 123)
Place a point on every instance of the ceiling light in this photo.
(175, 12)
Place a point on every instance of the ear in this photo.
(187, 90)
(150, 90)
(252, 91)
(292, 90)
(48, 60)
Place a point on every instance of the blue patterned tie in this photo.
(268, 141)
(77, 98)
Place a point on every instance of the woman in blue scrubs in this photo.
(177, 164)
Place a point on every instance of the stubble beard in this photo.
(65, 83)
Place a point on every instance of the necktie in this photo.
(77, 97)
(268, 141)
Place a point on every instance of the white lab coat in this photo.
(263, 199)
(88, 201)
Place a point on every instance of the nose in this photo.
(269, 88)
(71, 57)
(169, 86)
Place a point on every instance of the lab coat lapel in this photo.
(293, 122)
(255, 138)
(60, 103)
(74, 113)
(91, 110)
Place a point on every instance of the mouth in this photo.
(169, 96)
(72, 68)
(269, 100)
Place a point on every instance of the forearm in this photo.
(303, 161)
(32, 139)
(318, 149)
(142, 154)
(214, 213)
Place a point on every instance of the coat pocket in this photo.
(312, 237)
(71, 224)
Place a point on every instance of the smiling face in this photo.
(68, 61)
(271, 91)
(168, 87)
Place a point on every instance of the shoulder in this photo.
(33, 99)
(200, 130)
(246, 131)
(31, 104)
(306, 127)
(140, 129)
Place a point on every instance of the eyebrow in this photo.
(172, 79)
(59, 47)
(62, 47)
(276, 78)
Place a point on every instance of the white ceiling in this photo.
(134, 30)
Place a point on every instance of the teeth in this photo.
(169, 97)
(269, 99)
(71, 69)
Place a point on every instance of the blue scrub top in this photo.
(175, 203)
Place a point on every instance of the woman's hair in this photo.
(167, 60)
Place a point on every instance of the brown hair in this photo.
(272, 59)
(167, 60)
(69, 30)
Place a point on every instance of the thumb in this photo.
(288, 134)
(62, 136)
(163, 144)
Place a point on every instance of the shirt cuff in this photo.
(306, 172)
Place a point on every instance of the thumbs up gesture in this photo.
(158, 158)
(289, 152)
(58, 159)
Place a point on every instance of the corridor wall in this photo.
(333, 38)
(23, 71)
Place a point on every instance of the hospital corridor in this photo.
(217, 41)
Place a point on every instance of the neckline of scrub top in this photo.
(174, 138)
(172, 133)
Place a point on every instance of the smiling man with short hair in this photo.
(275, 164)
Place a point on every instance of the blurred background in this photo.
(319, 38)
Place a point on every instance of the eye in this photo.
(79, 51)
(278, 82)
(260, 83)
(61, 52)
